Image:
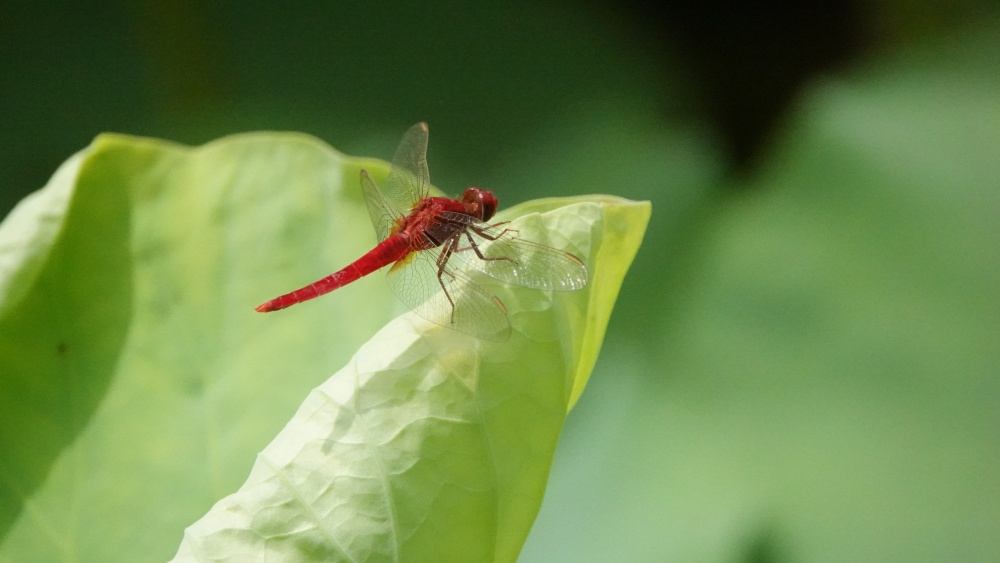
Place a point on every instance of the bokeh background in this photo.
(803, 363)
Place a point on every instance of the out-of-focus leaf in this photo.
(828, 387)
(138, 382)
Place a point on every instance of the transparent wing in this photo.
(382, 211)
(472, 309)
(409, 179)
(510, 259)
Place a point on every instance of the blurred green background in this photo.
(803, 364)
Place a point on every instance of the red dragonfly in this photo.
(425, 246)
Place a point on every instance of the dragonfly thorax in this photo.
(479, 203)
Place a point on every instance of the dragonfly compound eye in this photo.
(481, 203)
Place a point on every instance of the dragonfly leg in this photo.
(475, 247)
(442, 262)
(488, 236)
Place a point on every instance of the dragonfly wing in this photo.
(409, 178)
(513, 260)
(383, 212)
(471, 308)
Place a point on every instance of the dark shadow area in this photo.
(60, 346)
(764, 547)
(747, 61)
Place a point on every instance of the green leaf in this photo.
(138, 382)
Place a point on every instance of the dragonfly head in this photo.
(482, 204)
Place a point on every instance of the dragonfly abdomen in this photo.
(390, 250)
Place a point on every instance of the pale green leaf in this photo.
(430, 445)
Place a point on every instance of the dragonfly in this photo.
(434, 246)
